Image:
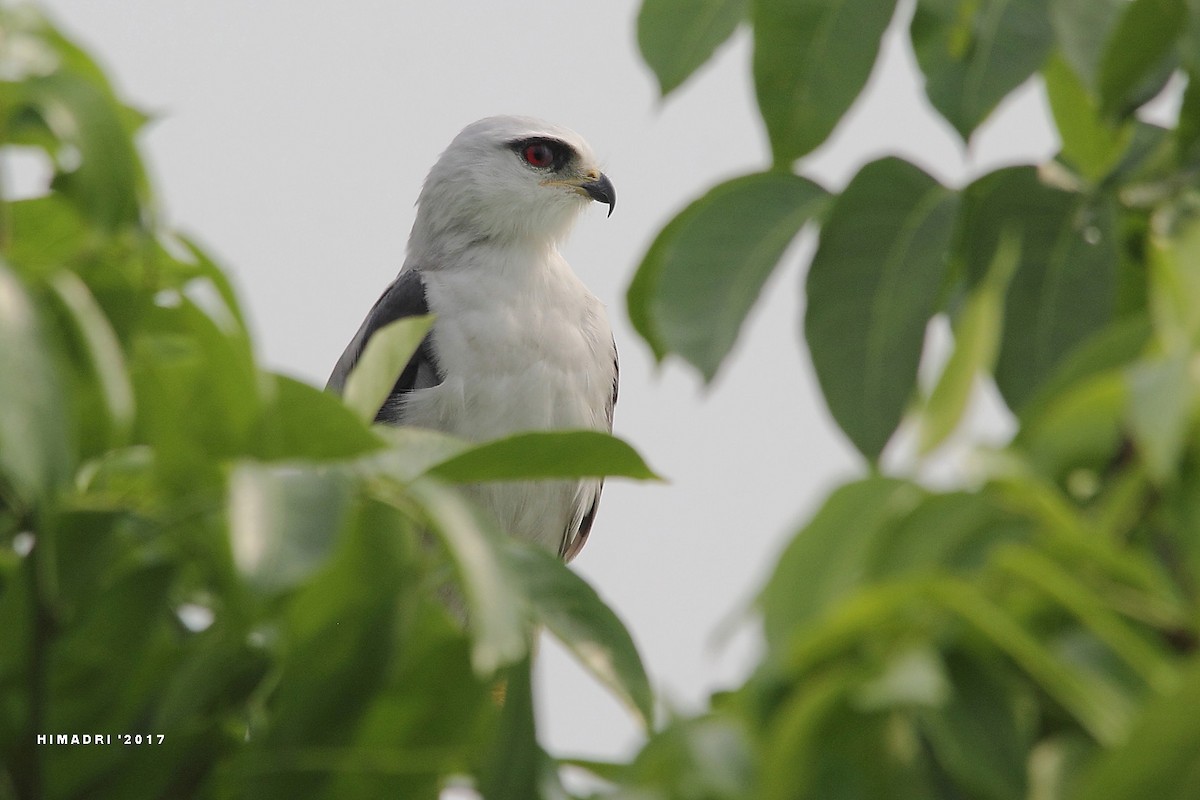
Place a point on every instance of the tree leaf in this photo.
(304, 422)
(1065, 286)
(105, 183)
(284, 521)
(677, 36)
(872, 287)
(35, 453)
(707, 267)
(1082, 28)
(545, 454)
(496, 611)
(974, 54)
(103, 350)
(1161, 756)
(515, 765)
(829, 558)
(1089, 143)
(1143, 39)
(576, 616)
(976, 342)
(811, 60)
(1161, 402)
(382, 360)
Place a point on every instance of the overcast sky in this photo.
(293, 139)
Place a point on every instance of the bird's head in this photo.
(510, 178)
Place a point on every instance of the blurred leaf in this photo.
(576, 616)
(811, 60)
(979, 736)
(103, 351)
(1161, 756)
(35, 455)
(823, 747)
(496, 610)
(98, 169)
(1064, 288)
(545, 454)
(974, 54)
(46, 233)
(1083, 28)
(1107, 349)
(284, 521)
(1089, 143)
(1174, 280)
(872, 287)
(1143, 39)
(709, 757)
(1083, 699)
(707, 267)
(828, 559)
(976, 343)
(1148, 662)
(677, 36)
(1161, 401)
(1187, 132)
(516, 764)
(382, 360)
(303, 422)
(411, 452)
(336, 647)
(1078, 428)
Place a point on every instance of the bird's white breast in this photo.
(522, 345)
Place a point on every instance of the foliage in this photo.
(229, 566)
(1033, 633)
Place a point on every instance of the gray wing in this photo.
(405, 297)
(574, 540)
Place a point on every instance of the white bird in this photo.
(518, 342)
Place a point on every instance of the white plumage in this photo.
(519, 342)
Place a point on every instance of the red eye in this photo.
(538, 155)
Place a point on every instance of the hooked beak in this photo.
(601, 190)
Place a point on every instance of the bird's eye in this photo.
(538, 155)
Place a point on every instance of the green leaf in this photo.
(872, 287)
(383, 359)
(1174, 280)
(831, 557)
(1161, 756)
(104, 354)
(1082, 28)
(1143, 40)
(35, 454)
(811, 60)
(1089, 143)
(496, 610)
(46, 233)
(1187, 132)
(974, 54)
(710, 754)
(1065, 286)
(105, 183)
(576, 616)
(515, 765)
(978, 736)
(707, 267)
(677, 36)
(976, 343)
(303, 422)
(545, 454)
(1079, 428)
(1161, 401)
(284, 521)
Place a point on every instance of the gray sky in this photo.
(294, 138)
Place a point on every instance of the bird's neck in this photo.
(465, 250)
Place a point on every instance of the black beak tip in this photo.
(602, 191)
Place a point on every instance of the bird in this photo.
(518, 342)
